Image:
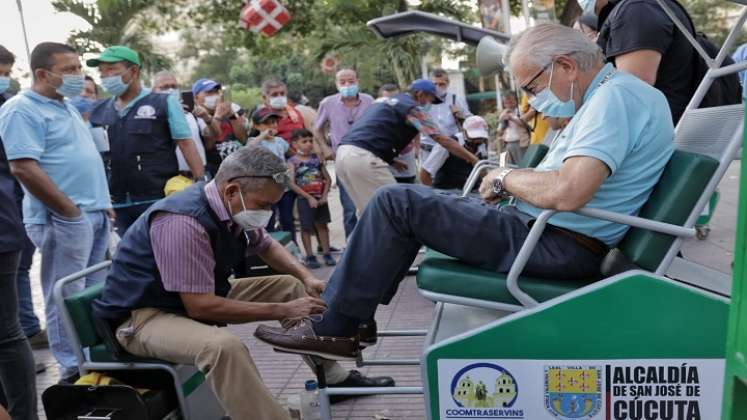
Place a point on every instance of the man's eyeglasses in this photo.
(530, 90)
(281, 178)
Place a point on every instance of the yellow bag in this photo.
(98, 378)
(176, 184)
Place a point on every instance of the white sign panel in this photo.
(652, 389)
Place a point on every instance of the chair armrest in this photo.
(475, 174)
(639, 222)
(512, 280)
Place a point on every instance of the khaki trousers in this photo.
(218, 353)
(361, 173)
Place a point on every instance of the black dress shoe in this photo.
(357, 380)
(367, 333)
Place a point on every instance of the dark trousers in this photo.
(29, 321)
(282, 211)
(349, 219)
(17, 374)
(126, 216)
(402, 218)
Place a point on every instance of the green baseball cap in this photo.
(115, 54)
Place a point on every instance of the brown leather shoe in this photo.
(301, 339)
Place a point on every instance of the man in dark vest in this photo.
(144, 128)
(387, 127)
(169, 285)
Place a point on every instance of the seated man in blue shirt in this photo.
(144, 129)
(610, 156)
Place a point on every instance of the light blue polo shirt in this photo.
(177, 122)
(53, 133)
(626, 124)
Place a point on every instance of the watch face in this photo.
(497, 186)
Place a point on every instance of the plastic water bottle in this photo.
(310, 402)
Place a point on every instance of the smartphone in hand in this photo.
(188, 100)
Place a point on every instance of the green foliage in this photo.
(715, 18)
(122, 22)
(317, 28)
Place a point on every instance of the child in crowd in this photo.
(266, 122)
(310, 180)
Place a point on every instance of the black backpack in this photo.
(725, 90)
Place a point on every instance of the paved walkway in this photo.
(285, 374)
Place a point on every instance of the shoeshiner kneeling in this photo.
(609, 156)
(168, 291)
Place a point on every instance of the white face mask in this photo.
(251, 219)
(278, 102)
(211, 101)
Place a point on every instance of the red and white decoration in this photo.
(264, 16)
(330, 62)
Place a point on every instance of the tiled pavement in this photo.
(285, 374)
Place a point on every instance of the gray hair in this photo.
(345, 70)
(254, 166)
(541, 44)
(270, 84)
(164, 73)
(440, 73)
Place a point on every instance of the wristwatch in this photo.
(498, 186)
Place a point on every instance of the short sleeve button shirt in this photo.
(53, 133)
(626, 124)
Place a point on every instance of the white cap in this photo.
(476, 127)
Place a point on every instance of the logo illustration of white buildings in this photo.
(476, 395)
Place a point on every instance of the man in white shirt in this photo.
(448, 115)
(165, 82)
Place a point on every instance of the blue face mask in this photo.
(4, 83)
(114, 85)
(72, 84)
(548, 104)
(348, 91)
(426, 107)
(82, 104)
(588, 6)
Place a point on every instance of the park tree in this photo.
(123, 22)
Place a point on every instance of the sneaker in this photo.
(328, 260)
(311, 262)
(39, 341)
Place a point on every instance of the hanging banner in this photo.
(630, 389)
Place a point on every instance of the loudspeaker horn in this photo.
(489, 55)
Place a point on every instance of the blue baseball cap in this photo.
(425, 85)
(204, 85)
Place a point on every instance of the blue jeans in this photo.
(27, 317)
(401, 218)
(68, 246)
(349, 219)
(17, 375)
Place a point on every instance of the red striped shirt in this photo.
(182, 250)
